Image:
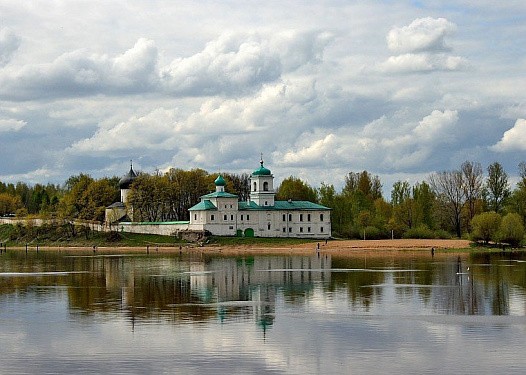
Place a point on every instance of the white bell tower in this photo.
(262, 186)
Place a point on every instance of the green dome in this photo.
(261, 171)
(220, 181)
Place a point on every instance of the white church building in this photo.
(221, 214)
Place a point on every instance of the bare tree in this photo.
(448, 187)
(473, 184)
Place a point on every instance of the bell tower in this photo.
(262, 186)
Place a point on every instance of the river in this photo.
(84, 313)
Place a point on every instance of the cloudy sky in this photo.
(397, 88)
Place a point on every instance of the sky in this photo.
(401, 89)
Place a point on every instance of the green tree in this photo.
(9, 204)
(424, 204)
(296, 189)
(517, 200)
(485, 226)
(497, 187)
(511, 229)
(403, 205)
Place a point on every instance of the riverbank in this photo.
(333, 247)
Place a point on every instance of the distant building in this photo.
(119, 211)
(222, 214)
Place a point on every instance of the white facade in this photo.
(221, 214)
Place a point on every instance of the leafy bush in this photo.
(485, 226)
(421, 231)
(511, 229)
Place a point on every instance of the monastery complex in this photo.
(222, 214)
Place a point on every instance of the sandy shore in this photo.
(333, 247)
(346, 247)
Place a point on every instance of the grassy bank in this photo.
(17, 236)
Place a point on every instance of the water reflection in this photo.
(200, 288)
(62, 312)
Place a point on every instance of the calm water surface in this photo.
(64, 312)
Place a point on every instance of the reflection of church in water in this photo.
(214, 288)
(229, 282)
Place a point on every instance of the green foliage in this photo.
(296, 189)
(421, 231)
(485, 226)
(497, 187)
(374, 233)
(511, 229)
(87, 198)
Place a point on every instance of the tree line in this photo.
(466, 201)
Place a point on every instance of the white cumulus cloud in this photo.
(513, 139)
(423, 34)
(420, 47)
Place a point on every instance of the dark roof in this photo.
(117, 205)
(126, 181)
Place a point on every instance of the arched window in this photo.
(265, 186)
(255, 186)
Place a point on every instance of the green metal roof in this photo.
(219, 194)
(154, 223)
(204, 205)
(283, 206)
(220, 181)
(261, 171)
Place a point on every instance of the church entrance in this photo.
(249, 232)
